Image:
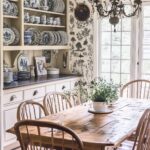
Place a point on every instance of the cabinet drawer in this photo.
(73, 84)
(64, 86)
(50, 88)
(13, 97)
(34, 93)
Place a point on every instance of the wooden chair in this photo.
(56, 102)
(30, 110)
(142, 137)
(30, 135)
(74, 99)
(136, 89)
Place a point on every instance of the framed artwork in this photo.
(40, 66)
(23, 62)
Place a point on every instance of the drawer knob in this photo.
(63, 87)
(12, 98)
(35, 93)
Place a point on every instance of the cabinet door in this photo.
(9, 120)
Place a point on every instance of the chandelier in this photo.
(116, 9)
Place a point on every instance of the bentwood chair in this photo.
(56, 102)
(30, 110)
(74, 99)
(136, 89)
(142, 136)
(38, 135)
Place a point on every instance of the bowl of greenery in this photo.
(103, 93)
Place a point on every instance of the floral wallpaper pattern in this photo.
(81, 42)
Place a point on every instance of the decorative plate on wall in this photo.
(82, 12)
(23, 62)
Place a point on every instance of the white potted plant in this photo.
(102, 93)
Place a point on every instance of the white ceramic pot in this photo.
(100, 106)
(52, 71)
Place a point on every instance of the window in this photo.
(145, 60)
(115, 50)
(125, 55)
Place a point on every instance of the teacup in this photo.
(32, 19)
(43, 19)
(26, 17)
(37, 20)
(44, 8)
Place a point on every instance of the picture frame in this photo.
(40, 66)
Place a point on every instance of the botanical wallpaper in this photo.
(81, 42)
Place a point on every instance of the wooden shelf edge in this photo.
(36, 47)
(44, 11)
(14, 0)
(11, 17)
(44, 25)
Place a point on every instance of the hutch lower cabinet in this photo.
(14, 96)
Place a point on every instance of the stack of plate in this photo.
(11, 36)
(35, 36)
(54, 38)
(10, 8)
(58, 6)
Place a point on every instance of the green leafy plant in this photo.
(103, 91)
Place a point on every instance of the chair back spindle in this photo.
(136, 89)
(32, 134)
(56, 102)
(30, 110)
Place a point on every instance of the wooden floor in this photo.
(14, 146)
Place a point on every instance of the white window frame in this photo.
(136, 52)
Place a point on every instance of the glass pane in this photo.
(146, 23)
(125, 66)
(146, 77)
(125, 52)
(105, 52)
(115, 52)
(127, 9)
(146, 66)
(126, 38)
(118, 27)
(125, 78)
(146, 52)
(106, 76)
(105, 25)
(146, 11)
(115, 66)
(106, 38)
(116, 38)
(126, 24)
(115, 78)
(105, 65)
(146, 39)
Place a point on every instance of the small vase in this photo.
(100, 106)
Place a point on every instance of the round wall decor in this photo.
(82, 12)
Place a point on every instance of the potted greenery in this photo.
(102, 92)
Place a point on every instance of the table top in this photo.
(97, 130)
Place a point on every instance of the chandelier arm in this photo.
(132, 14)
(102, 14)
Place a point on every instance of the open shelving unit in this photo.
(18, 23)
(43, 11)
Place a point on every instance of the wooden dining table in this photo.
(101, 131)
